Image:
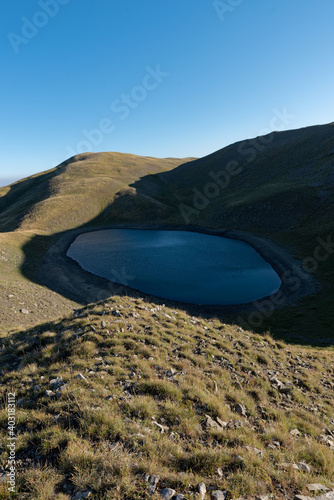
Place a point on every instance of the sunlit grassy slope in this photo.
(124, 389)
(76, 191)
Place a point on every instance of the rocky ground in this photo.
(125, 399)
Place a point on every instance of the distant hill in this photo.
(76, 191)
(280, 182)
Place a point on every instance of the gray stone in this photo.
(180, 497)
(153, 481)
(220, 472)
(162, 428)
(80, 377)
(219, 495)
(201, 488)
(56, 382)
(24, 311)
(254, 450)
(210, 423)
(316, 487)
(81, 495)
(103, 324)
(167, 493)
(303, 467)
(221, 422)
(241, 410)
(325, 440)
(294, 432)
(50, 393)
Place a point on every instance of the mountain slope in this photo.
(124, 390)
(280, 182)
(76, 191)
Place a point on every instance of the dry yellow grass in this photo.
(151, 378)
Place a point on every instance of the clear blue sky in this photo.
(223, 69)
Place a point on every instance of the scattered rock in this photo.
(241, 410)
(24, 311)
(201, 488)
(153, 481)
(314, 488)
(303, 467)
(50, 393)
(215, 424)
(82, 495)
(103, 324)
(56, 418)
(167, 493)
(171, 372)
(180, 497)
(211, 424)
(276, 383)
(56, 382)
(294, 432)
(162, 428)
(325, 440)
(254, 450)
(219, 495)
(81, 377)
(116, 313)
(221, 422)
(220, 472)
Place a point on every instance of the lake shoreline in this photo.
(67, 277)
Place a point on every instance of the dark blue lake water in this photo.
(177, 265)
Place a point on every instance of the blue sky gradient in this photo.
(157, 77)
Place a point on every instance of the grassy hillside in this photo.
(76, 191)
(124, 390)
